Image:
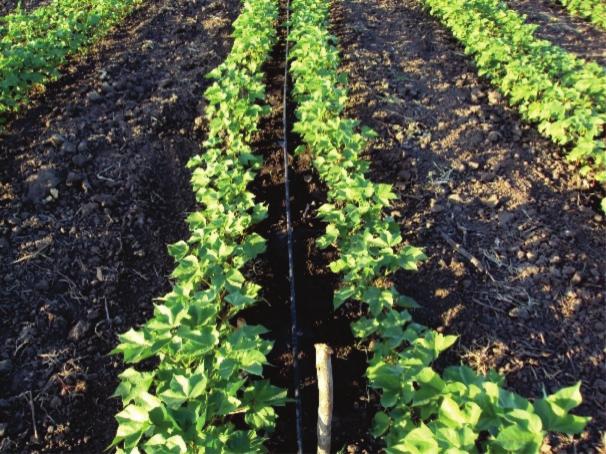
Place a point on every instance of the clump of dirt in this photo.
(93, 186)
(527, 294)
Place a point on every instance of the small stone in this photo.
(39, 184)
(80, 160)
(54, 193)
(490, 202)
(473, 165)
(455, 198)
(68, 147)
(5, 366)
(78, 330)
(555, 259)
(94, 96)
(494, 136)
(531, 256)
(521, 255)
(576, 279)
(83, 146)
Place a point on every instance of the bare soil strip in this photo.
(526, 291)
(93, 186)
(570, 32)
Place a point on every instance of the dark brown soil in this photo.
(92, 187)
(559, 26)
(469, 171)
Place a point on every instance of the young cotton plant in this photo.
(205, 393)
(457, 411)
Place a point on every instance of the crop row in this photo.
(205, 392)
(563, 94)
(423, 411)
(34, 45)
(592, 10)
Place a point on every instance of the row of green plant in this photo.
(563, 94)
(592, 10)
(423, 411)
(34, 45)
(204, 392)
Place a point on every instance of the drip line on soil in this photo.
(289, 235)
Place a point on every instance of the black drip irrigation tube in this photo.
(291, 261)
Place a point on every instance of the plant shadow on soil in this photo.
(466, 167)
(112, 136)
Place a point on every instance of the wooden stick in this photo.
(324, 371)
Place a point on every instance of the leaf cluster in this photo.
(206, 394)
(457, 411)
(33, 45)
(592, 10)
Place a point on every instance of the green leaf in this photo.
(178, 250)
(380, 424)
(418, 441)
(342, 295)
(188, 266)
(519, 439)
(554, 409)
